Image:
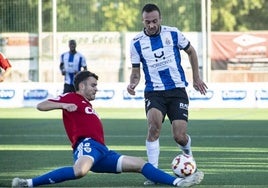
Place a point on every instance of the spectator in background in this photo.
(4, 65)
(71, 63)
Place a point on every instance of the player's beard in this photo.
(153, 31)
(93, 97)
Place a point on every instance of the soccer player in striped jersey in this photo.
(157, 48)
(85, 132)
(71, 63)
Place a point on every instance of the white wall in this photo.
(220, 95)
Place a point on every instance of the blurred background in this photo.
(230, 36)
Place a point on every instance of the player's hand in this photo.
(1, 78)
(69, 107)
(200, 86)
(131, 89)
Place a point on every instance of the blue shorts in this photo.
(105, 160)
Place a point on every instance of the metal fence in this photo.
(33, 35)
(34, 28)
(93, 15)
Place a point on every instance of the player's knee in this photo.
(132, 164)
(80, 172)
(82, 166)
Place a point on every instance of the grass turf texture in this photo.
(230, 146)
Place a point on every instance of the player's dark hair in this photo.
(151, 7)
(82, 76)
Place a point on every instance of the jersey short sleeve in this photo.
(134, 47)
(83, 60)
(183, 42)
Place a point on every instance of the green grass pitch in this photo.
(229, 145)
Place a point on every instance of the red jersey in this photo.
(82, 123)
(4, 63)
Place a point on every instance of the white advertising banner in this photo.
(115, 95)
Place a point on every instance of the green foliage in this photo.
(118, 15)
(238, 15)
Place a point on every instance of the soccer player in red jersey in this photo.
(85, 131)
(4, 64)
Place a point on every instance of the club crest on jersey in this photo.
(168, 42)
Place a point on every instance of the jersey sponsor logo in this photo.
(159, 56)
(233, 94)
(36, 94)
(261, 95)
(138, 96)
(89, 110)
(161, 64)
(196, 95)
(7, 93)
(106, 94)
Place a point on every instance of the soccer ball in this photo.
(183, 165)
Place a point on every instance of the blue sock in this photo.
(55, 176)
(156, 175)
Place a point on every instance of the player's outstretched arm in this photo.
(50, 105)
(134, 80)
(198, 84)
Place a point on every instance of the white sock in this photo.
(176, 181)
(187, 148)
(30, 182)
(153, 151)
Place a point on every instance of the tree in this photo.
(119, 15)
(233, 15)
(125, 15)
